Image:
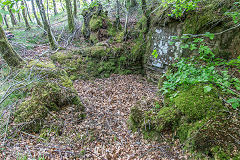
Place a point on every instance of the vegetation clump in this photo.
(197, 118)
(53, 92)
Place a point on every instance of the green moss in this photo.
(94, 38)
(195, 104)
(96, 23)
(46, 133)
(51, 95)
(97, 51)
(70, 62)
(142, 24)
(136, 118)
(139, 48)
(112, 31)
(207, 17)
(60, 57)
(166, 118)
(119, 37)
(38, 63)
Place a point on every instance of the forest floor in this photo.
(104, 133)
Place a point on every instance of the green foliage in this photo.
(154, 53)
(180, 6)
(91, 4)
(189, 72)
(9, 3)
(235, 15)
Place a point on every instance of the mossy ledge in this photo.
(52, 92)
(198, 119)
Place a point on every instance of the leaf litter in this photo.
(103, 133)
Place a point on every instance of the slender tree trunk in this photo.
(7, 52)
(25, 17)
(5, 19)
(19, 15)
(126, 20)
(28, 12)
(70, 15)
(133, 3)
(75, 8)
(146, 14)
(62, 5)
(54, 7)
(13, 19)
(144, 7)
(118, 14)
(46, 25)
(79, 4)
(48, 12)
(126, 23)
(35, 14)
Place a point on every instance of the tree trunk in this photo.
(118, 14)
(7, 52)
(13, 19)
(5, 19)
(48, 12)
(51, 38)
(25, 17)
(19, 15)
(75, 8)
(35, 14)
(79, 4)
(28, 12)
(62, 5)
(132, 3)
(145, 13)
(70, 15)
(126, 20)
(144, 7)
(54, 7)
(126, 24)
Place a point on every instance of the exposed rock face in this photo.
(224, 45)
(159, 41)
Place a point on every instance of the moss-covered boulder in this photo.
(72, 63)
(196, 104)
(52, 92)
(166, 118)
(197, 118)
(96, 24)
(97, 51)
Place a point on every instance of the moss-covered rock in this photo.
(136, 118)
(195, 104)
(96, 23)
(94, 38)
(119, 37)
(97, 51)
(71, 62)
(53, 92)
(197, 118)
(166, 118)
